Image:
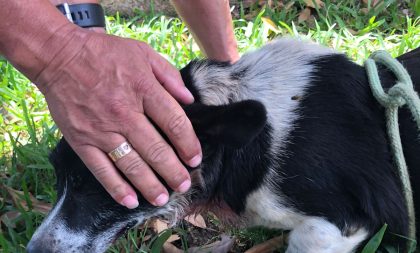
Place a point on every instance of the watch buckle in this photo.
(67, 12)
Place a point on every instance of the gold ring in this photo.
(121, 151)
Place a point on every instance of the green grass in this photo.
(27, 132)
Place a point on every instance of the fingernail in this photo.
(189, 94)
(130, 202)
(161, 200)
(184, 186)
(195, 161)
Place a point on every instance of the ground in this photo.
(27, 132)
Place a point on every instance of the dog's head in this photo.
(85, 217)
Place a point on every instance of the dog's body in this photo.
(311, 156)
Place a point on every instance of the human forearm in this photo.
(31, 41)
(211, 25)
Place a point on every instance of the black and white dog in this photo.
(292, 139)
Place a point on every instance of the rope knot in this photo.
(402, 93)
(397, 95)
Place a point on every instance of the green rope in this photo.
(402, 93)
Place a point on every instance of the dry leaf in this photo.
(279, 4)
(146, 238)
(170, 248)
(373, 3)
(249, 16)
(289, 5)
(18, 200)
(8, 218)
(311, 22)
(196, 220)
(351, 31)
(159, 226)
(269, 3)
(248, 3)
(304, 15)
(173, 238)
(222, 246)
(2, 174)
(271, 25)
(314, 4)
(184, 37)
(364, 10)
(267, 246)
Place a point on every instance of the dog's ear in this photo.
(233, 125)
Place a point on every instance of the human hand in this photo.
(109, 92)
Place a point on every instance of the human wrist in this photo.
(64, 46)
(225, 52)
(25, 39)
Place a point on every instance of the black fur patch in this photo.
(234, 125)
(87, 203)
(338, 163)
(235, 141)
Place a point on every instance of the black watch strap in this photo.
(84, 15)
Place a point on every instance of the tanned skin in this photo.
(103, 90)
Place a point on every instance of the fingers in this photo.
(170, 117)
(158, 154)
(135, 169)
(105, 172)
(143, 178)
(133, 166)
(168, 76)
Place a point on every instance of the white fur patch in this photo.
(55, 234)
(309, 234)
(265, 209)
(271, 75)
(316, 235)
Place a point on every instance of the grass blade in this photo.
(157, 244)
(375, 241)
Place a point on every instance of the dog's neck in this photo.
(222, 183)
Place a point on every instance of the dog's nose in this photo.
(37, 247)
